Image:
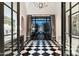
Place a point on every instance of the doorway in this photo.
(41, 27)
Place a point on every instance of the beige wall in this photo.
(23, 14)
(58, 22)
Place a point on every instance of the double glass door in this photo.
(71, 23)
(41, 27)
(10, 28)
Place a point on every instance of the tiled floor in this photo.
(38, 48)
(41, 48)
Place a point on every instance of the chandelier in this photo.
(41, 4)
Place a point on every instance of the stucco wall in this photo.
(58, 22)
(23, 12)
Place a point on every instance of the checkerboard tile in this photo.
(38, 48)
(41, 48)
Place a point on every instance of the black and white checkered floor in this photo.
(41, 48)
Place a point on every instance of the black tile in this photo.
(44, 46)
(36, 54)
(51, 46)
(28, 49)
(53, 49)
(36, 49)
(55, 54)
(37, 46)
(26, 54)
(30, 46)
(59, 48)
(44, 49)
(45, 54)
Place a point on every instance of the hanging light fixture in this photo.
(40, 4)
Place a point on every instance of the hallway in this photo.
(41, 44)
(39, 29)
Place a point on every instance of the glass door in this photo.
(10, 28)
(72, 29)
(41, 26)
(7, 30)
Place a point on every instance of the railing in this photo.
(15, 46)
(75, 44)
(74, 36)
(10, 34)
(7, 38)
(21, 42)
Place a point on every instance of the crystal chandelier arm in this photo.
(40, 4)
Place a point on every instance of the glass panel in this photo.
(73, 3)
(15, 6)
(15, 32)
(7, 30)
(75, 33)
(67, 22)
(14, 23)
(67, 5)
(33, 26)
(75, 45)
(67, 50)
(8, 3)
(75, 9)
(67, 34)
(75, 24)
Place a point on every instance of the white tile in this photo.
(15, 53)
(23, 51)
(40, 51)
(58, 51)
(55, 48)
(40, 48)
(33, 48)
(49, 51)
(26, 48)
(34, 43)
(48, 47)
(32, 51)
(7, 52)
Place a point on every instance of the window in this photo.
(7, 20)
(72, 29)
(15, 25)
(75, 24)
(7, 29)
(8, 3)
(10, 22)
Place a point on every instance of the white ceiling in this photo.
(50, 9)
